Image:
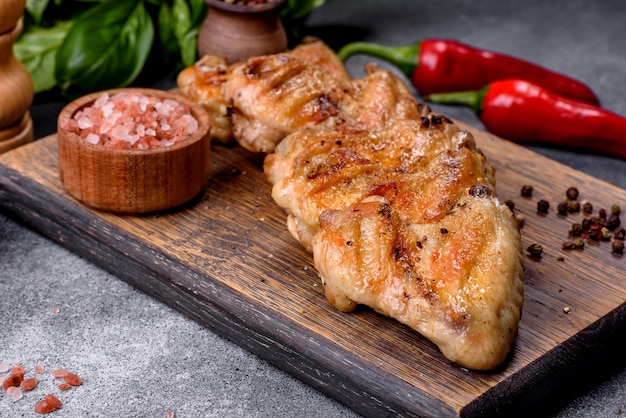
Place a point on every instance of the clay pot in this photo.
(134, 180)
(238, 31)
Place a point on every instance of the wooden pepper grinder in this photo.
(16, 85)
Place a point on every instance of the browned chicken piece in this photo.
(313, 170)
(396, 204)
(405, 220)
(317, 53)
(202, 83)
(458, 281)
(273, 96)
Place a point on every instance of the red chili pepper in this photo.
(527, 113)
(441, 66)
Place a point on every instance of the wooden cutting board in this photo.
(227, 261)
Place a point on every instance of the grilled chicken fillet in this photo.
(204, 84)
(396, 204)
(405, 220)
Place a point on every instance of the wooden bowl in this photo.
(134, 180)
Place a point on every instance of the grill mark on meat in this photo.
(337, 161)
(326, 107)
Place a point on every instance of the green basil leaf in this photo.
(167, 34)
(298, 9)
(179, 23)
(198, 11)
(37, 48)
(106, 47)
(293, 15)
(189, 48)
(182, 27)
(36, 8)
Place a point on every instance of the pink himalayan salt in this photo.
(131, 120)
(60, 372)
(4, 367)
(29, 384)
(15, 393)
(18, 369)
(72, 379)
(48, 404)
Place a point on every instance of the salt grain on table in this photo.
(15, 393)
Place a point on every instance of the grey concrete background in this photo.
(139, 358)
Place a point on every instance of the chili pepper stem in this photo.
(403, 57)
(472, 99)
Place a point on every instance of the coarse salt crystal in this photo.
(60, 372)
(84, 123)
(92, 138)
(107, 109)
(101, 100)
(48, 404)
(15, 393)
(18, 369)
(29, 384)
(132, 120)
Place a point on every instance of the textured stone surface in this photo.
(139, 358)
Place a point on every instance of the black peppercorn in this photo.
(619, 233)
(595, 232)
(587, 207)
(572, 193)
(543, 206)
(527, 190)
(573, 206)
(562, 208)
(613, 222)
(479, 190)
(535, 250)
(568, 245)
(618, 246)
(576, 230)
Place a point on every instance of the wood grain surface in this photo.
(227, 261)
